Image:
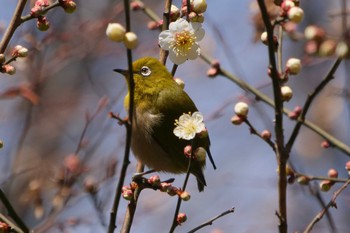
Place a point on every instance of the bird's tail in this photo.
(201, 181)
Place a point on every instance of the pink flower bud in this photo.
(163, 187)
(212, 72)
(325, 144)
(154, 180)
(153, 25)
(42, 24)
(181, 218)
(333, 173)
(266, 135)
(8, 69)
(347, 166)
(127, 194)
(237, 120)
(136, 5)
(188, 151)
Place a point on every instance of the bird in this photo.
(158, 102)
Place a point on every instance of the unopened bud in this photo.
(293, 66)
(327, 48)
(163, 187)
(263, 38)
(130, 40)
(325, 185)
(69, 6)
(303, 180)
(115, 32)
(185, 196)
(325, 144)
(347, 166)
(181, 218)
(127, 194)
(295, 14)
(287, 5)
(174, 13)
(136, 5)
(43, 24)
(172, 191)
(241, 109)
(154, 180)
(333, 173)
(342, 49)
(188, 151)
(212, 72)
(199, 6)
(8, 69)
(287, 93)
(266, 135)
(237, 120)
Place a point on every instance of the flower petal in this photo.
(177, 59)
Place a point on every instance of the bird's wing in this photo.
(172, 102)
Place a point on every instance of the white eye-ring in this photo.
(145, 71)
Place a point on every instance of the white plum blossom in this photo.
(181, 40)
(187, 126)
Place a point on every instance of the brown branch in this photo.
(126, 161)
(130, 211)
(331, 203)
(14, 23)
(282, 156)
(179, 199)
(210, 222)
(255, 132)
(12, 213)
(163, 54)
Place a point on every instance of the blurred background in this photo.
(56, 106)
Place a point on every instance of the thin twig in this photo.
(179, 200)
(311, 97)
(210, 222)
(163, 54)
(255, 132)
(14, 23)
(12, 213)
(130, 211)
(331, 203)
(282, 156)
(126, 161)
(13, 226)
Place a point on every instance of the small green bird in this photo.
(158, 102)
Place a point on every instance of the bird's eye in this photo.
(145, 71)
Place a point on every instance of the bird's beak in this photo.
(121, 71)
